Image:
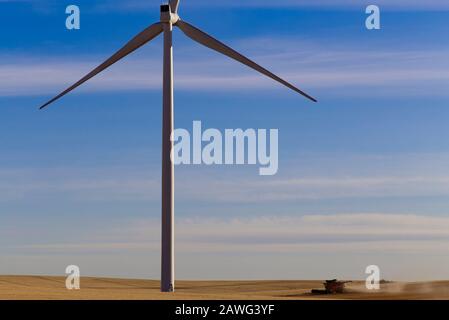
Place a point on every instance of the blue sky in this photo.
(363, 175)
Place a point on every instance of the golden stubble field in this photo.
(53, 288)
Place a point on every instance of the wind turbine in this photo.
(170, 18)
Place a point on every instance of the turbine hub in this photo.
(167, 15)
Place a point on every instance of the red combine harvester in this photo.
(332, 287)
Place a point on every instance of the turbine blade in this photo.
(174, 4)
(208, 41)
(145, 36)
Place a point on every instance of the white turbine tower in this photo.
(170, 18)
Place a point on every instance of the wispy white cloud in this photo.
(399, 176)
(397, 4)
(414, 246)
(87, 184)
(352, 233)
(335, 69)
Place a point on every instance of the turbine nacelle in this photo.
(169, 14)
